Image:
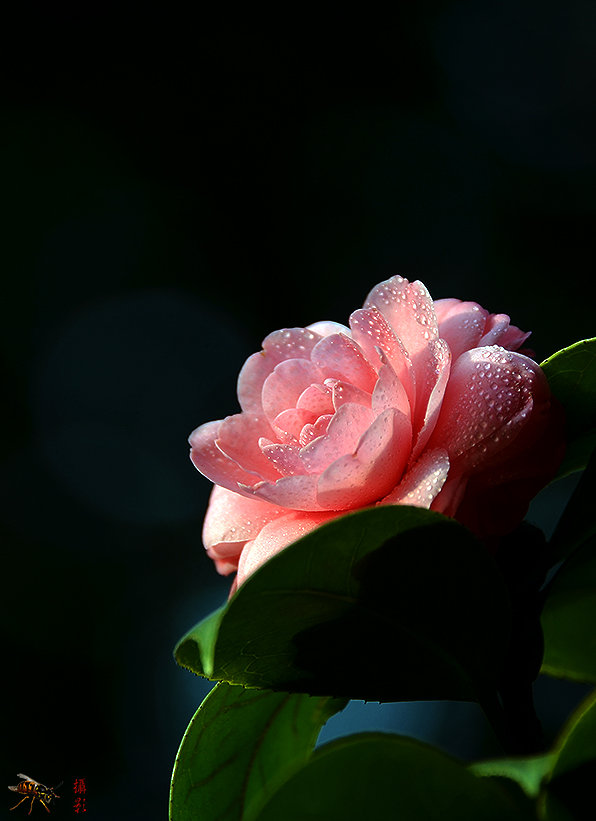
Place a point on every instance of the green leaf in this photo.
(529, 773)
(240, 746)
(577, 524)
(376, 775)
(563, 780)
(387, 604)
(571, 374)
(569, 618)
(571, 791)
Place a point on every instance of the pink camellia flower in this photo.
(417, 402)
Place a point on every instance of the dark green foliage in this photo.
(387, 604)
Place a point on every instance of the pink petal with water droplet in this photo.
(499, 331)
(423, 481)
(274, 537)
(288, 424)
(213, 463)
(327, 328)
(344, 392)
(231, 520)
(294, 492)
(311, 432)
(284, 385)
(408, 308)
(341, 358)
(461, 324)
(371, 331)
(343, 434)
(424, 426)
(239, 439)
(389, 391)
(316, 399)
(489, 398)
(368, 474)
(285, 458)
(288, 343)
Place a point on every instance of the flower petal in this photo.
(340, 357)
(423, 482)
(317, 399)
(389, 392)
(372, 332)
(285, 383)
(319, 428)
(289, 343)
(344, 392)
(285, 458)
(326, 328)
(424, 426)
(294, 492)
(289, 424)
(488, 399)
(276, 535)
(408, 308)
(239, 439)
(343, 434)
(360, 478)
(461, 324)
(213, 463)
(499, 331)
(231, 520)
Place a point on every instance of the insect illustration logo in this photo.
(29, 788)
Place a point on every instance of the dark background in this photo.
(175, 187)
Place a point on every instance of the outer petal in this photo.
(231, 520)
(239, 438)
(488, 401)
(408, 308)
(423, 482)
(213, 463)
(360, 478)
(425, 424)
(326, 328)
(372, 332)
(496, 499)
(499, 331)
(461, 324)
(389, 392)
(276, 535)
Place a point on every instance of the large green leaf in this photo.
(569, 618)
(240, 746)
(530, 773)
(577, 524)
(387, 604)
(376, 775)
(571, 791)
(571, 374)
(563, 780)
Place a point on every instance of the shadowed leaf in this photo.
(240, 746)
(387, 604)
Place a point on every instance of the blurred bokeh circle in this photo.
(118, 390)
